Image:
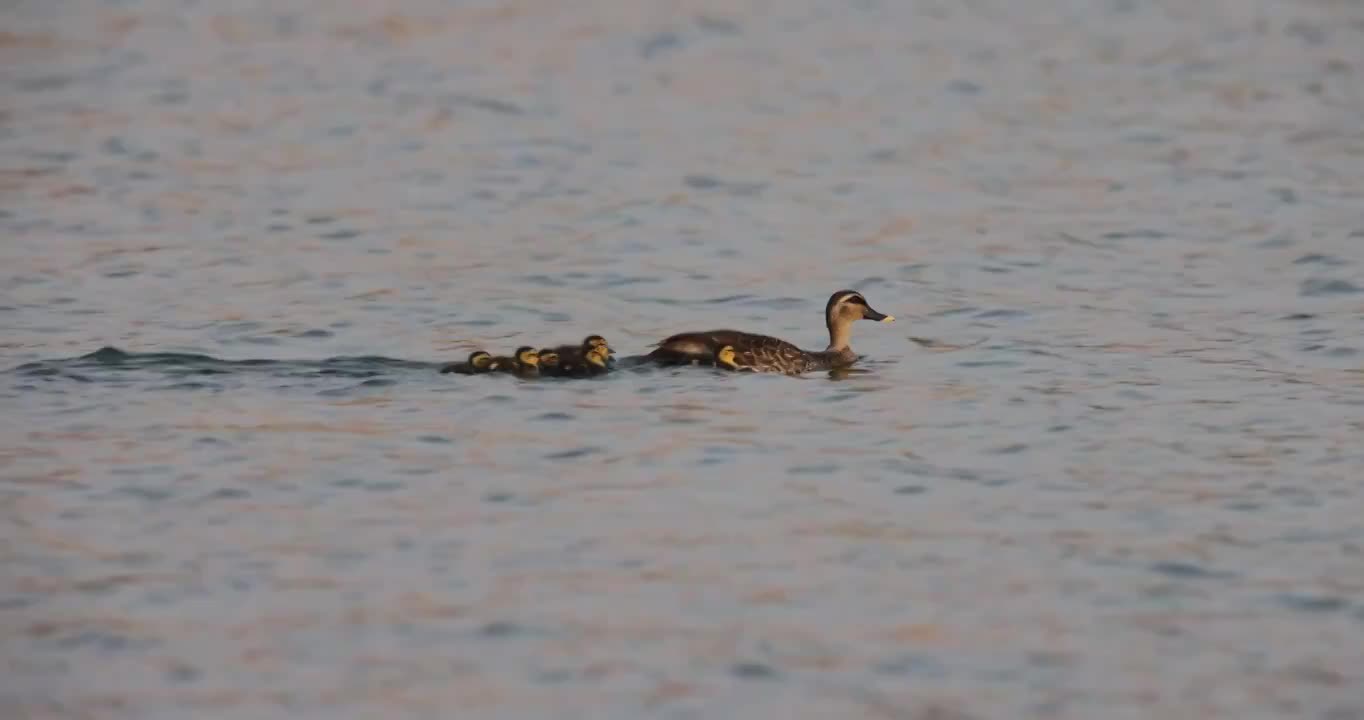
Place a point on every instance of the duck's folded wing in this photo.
(692, 346)
(749, 348)
(769, 352)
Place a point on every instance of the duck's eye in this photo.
(856, 300)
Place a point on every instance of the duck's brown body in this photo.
(764, 353)
(750, 351)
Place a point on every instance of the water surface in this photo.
(1107, 462)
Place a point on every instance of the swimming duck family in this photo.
(732, 350)
(736, 350)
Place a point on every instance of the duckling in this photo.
(525, 363)
(595, 341)
(573, 359)
(549, 362)
(763, 353)
(479, 362)
(598, 359)
(591, 363)
(726, 358)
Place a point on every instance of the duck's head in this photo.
(480, 360)
(528, 356)
(596, 341)
(849, 306)
(597, 357)
(724, 357)
(548, 358)
(846, 307)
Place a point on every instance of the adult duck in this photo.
(764, 353)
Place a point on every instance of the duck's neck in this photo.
(840, 336)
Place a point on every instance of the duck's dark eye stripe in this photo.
(856, 300)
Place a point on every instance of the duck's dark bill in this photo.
(870, 314)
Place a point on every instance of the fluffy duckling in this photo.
(478, 362)
(725, 358)
(549, 362)
(525, 363)
(573, 359)
(597, 341)
(597, 361)
(593, 362)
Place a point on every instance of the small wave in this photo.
(111, 362)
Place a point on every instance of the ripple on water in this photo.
(502, 629)
(817, 469)
(104, 642)
(228, 493)
(1319, 259)
(913, 664)
(1136, 234)
(1190, 571)
(548, 281)
(575, 453)
(731, 187)
(1323, 287)
(368, 485)
(1312, 603)
(754, 671)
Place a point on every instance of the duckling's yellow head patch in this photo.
(480, 359)
(597, 341)
(528, 356)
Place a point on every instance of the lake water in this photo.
(1107, 463)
